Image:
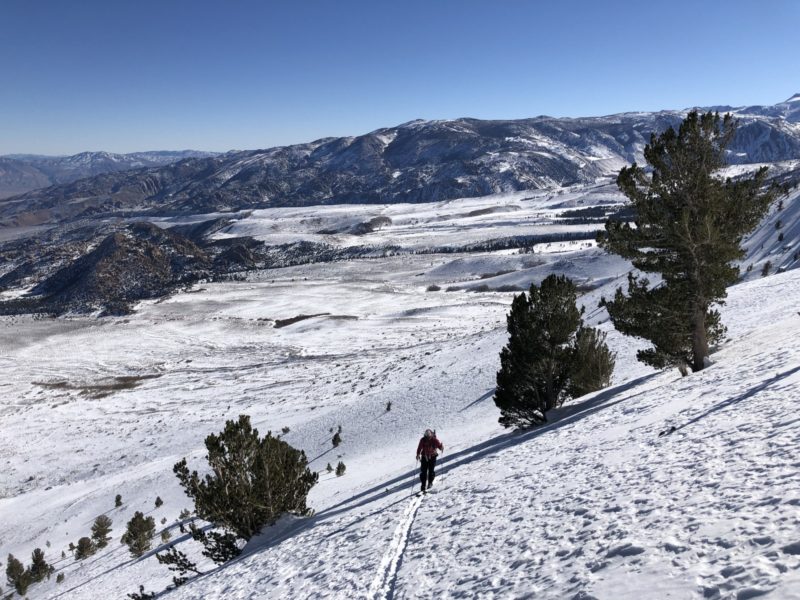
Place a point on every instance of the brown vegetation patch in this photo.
(286, 322)
(99, 390)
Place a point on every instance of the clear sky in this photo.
(137, 75)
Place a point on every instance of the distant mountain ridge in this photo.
(20, 173)
(419, 161)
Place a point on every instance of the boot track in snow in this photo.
(382, 587)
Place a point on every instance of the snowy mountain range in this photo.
(20, 173)
(419, 161)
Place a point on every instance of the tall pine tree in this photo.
(688, 228)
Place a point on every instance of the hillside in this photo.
(419, 161)
(21, 173)
(595, 502)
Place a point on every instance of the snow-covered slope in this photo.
(595, 503)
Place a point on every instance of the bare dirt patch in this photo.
(99, 390)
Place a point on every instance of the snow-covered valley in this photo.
(593, 505)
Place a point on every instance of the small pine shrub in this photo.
(163, 520)
(100, 530)
(159, 501)
(17, 575)
(388, 406)
(337, 439)
(63, 554)
(142, 595)
(329, 468)
(778, 224)
(185, 514)
(40, 569)
(118, 500)
(765, 270)
(253, 480)
(165, 536)
(60, 578)
(85, 548)
(285, 430)
(340, 469)
(434, 288)
(780, 236)
(139, 534)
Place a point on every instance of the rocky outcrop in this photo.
(139, 262)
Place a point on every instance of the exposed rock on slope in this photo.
(140, 262)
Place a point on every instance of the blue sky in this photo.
(174, 74)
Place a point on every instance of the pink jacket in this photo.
(427, 447)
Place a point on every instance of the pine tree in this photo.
(139, 534)
(17, 575)
(118, 500)
(159, 501)
(340, 469)
(219, 547)
(543, 354)
(689, 224)
(85, 548)
(592, 365)
(40, 568)
(252, 481)
(337, 439)
(100, 530)
(142, 595)
(179, 563)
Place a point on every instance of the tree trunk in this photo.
(699, 339)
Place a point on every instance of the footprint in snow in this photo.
(625, 550)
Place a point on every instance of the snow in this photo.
(425, 225)
(596, 502)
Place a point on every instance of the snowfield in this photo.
(596, 504)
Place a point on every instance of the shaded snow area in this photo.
(595, 504)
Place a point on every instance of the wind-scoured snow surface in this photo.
(594, 504)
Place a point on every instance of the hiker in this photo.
(427, 451)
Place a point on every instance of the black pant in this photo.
(426, 473)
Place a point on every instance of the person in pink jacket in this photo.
(427, 451)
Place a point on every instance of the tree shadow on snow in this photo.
(565, 416)
(410, 479)
(743, 396)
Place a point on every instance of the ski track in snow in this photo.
(382, 587)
